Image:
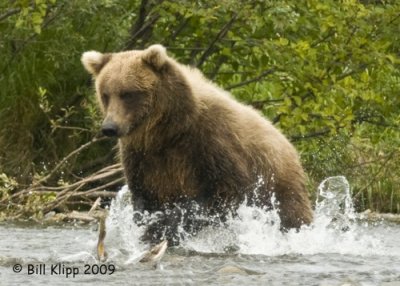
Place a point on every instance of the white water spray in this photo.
(257, 231)
(123, 235)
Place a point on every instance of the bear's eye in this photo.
(105, 98)
(132, 95)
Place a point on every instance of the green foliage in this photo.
(46, 110)
(325, 72)
(31, 14)
(7, 186)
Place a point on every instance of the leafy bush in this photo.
(326, 73)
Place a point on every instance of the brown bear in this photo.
(188, 148)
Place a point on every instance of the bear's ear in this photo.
(156, 56)
(94, 61)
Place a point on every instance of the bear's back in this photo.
(252, 149)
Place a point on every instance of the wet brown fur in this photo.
(184, 138)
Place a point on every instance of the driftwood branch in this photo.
(84, 190)
(79, 189)
(38, 185)
(105, 179)
(66, 158)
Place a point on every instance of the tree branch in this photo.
(66, 158)
(310, 135)
(178, 30)
(219, 36)
(257, 78)
(141, 28)
(258, 104)
(9, 13)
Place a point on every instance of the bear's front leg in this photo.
(166, 224)
(174, 222)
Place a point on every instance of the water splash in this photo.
(334, 202)
(255, 230)
(122, 233)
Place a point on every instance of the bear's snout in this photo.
(109, 128)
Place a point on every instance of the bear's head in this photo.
(138, 89)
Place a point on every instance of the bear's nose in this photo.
(109, 129)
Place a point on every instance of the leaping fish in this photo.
(101, 252)
(155, 254)
(152, 256)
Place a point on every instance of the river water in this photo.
(340, 248)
